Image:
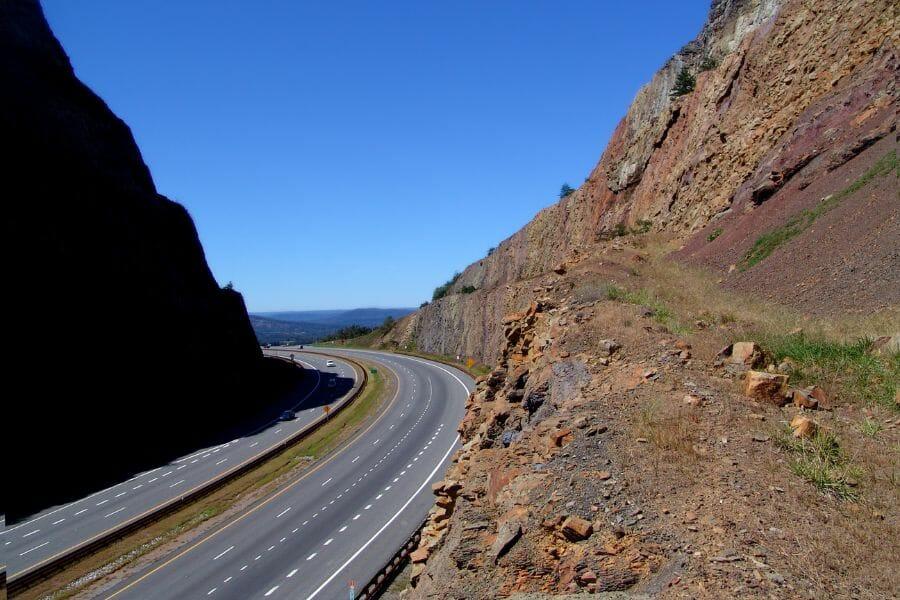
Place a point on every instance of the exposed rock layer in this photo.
(127, 349)
(801, 100)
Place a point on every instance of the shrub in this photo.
(684, 83)
(424, 304)
(716, 233)
(228, 286)
(442, 290)
(821, 461)
(566, 190)
(491, 250)
(467, 289)
(708, 63)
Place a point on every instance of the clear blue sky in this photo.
(341, 154)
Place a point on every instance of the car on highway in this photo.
(329, 363)
(286, 415)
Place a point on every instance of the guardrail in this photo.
(42, 571)
(384, 575)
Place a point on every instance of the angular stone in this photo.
(419, 555)
(803, 399)
(576, 529)
(766, 387)
(803, 426)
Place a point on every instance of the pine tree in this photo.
(684, 83)
(565, 190)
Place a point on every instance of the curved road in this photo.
(341, 521)
(59, 529)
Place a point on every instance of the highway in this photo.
(59, 529)
(339, 522)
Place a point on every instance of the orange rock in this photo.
(803, 426)
(576, 528)
(419, 555)
(766, 387)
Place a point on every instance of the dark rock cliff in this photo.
(124, 347)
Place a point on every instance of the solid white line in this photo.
(224, 553)
(386, 525)
(282, 513)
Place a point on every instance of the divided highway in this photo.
(341, 521)
(57, 530)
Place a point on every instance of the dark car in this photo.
(286, 415)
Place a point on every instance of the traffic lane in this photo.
(255, 548)
(40, 538)
(362, 555)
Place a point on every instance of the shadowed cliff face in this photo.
(791, 104)
(127, 349)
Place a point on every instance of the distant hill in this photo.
(306, 326)
(369, 317)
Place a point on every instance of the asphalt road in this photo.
(341, 521)
(58, 529)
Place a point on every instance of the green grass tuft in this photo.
(870, 427)
(849, 369)
(661, 313)
(821, 461)
(767, 243)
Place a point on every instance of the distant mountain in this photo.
(369, 317)
(275, 331)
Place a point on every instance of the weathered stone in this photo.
(419, 555)
(742, 353)
(803, 426)
(560, 269)
(803, 399)
(609, 346)
(766, 387)
(576, 529)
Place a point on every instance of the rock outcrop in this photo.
(600, 454)
(125, 349)
(794, 101)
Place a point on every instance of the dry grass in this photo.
(671, 433)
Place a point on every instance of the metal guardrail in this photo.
(384, 575)
(20, 582)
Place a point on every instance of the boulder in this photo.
(766, 387)
(419, 555)
(742, 353)
(803, 399)
(508, 533)
(576, 529)
(609, 346)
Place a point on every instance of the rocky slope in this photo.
(613, 449)
(91, 244)
(793, 101)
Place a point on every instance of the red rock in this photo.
(419, 555)
(803, 426)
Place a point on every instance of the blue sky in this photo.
(341, 154)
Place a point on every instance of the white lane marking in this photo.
(282, 513)
(227, 579)
(270, 548)
(221, 461)
(328, 541)
(278, 431)
(58, 522)
(80, 511)
(342, 529)
(103, 502)
(311, 556)
(120, 495)
(355, 459)
(292, 573)
(218, 556)
(378, 497)
(242, 568)
(211, 591)
(138, 486)
(152, 480)
(195, 460)
(295, 530)
(181, 467)
(258, 557)
(31, 533)
(254, 444)
(386, 525)
(32, 549)
(118, 510)
(282, 540)
(177, 483)
(166, 474)
(270, 592)
(367, 507)
(356, 517)
(305, 522)
(326, 481)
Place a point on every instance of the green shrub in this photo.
(708, 63)
(716, 233)
(467, 289)
(684, 83)
(442, 290)
(566, 190)
(821, 461)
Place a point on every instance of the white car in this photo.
(329, 363)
